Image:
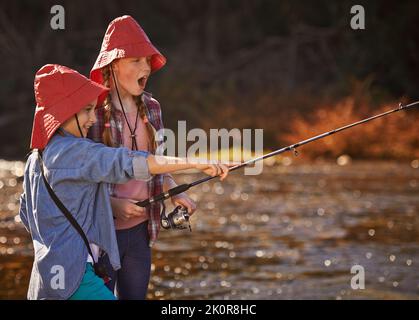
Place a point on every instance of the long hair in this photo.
(107, 105)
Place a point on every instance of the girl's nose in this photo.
(147, 67)
(93, 117)
(147, 63)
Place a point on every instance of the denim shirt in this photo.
(79, 171)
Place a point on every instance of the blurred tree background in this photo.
(234, 64)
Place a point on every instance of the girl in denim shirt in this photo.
(78, 171)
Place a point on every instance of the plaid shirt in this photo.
(155, 185)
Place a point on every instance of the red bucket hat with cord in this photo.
(125, 38)
(60, 93)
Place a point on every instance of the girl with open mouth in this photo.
(130, 118)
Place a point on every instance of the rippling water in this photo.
(292, 233)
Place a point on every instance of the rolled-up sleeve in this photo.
(117, 165)
(112, 165)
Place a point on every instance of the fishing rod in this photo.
(177, 218)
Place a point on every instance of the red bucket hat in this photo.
(60, 93)
(125, 38)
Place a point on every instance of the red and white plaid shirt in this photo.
(155, 185)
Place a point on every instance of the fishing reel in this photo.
(177, 219)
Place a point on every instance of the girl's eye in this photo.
(88, 109)
(136, 60)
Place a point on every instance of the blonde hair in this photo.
(107, 105)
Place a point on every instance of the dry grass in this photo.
(395, 136)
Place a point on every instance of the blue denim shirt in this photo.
(78, 171)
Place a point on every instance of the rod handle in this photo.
(164, 195)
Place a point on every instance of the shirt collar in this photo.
(66, 133)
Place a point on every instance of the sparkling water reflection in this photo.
(292, 233)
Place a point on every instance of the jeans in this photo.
(131, 281)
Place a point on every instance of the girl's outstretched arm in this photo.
(163, 164)
(98, 163)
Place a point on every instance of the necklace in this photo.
(132, 131)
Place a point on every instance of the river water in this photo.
(293, 232)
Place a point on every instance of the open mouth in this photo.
(142, 81)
